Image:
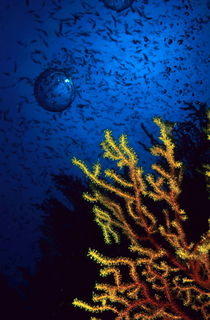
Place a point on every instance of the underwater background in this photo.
(70, 69)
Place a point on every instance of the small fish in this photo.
(36, 52)
(111, 38)
(109, 29)
(85, 5)
(31, 11)
(118, 123)
(57, 34)
(93, 23)
(50, 148)
(45, 43)
(138, 21)
(126, 29)
(36, 15)
(76, 18)
(142, 14)
(21, 43)
(38, 20)
(84, 34)
(15, 67)
(25, 99)
(126, 13)
(136, 41)
(44, 32)
(19, 105)
(35, 61)
(6, 73)
(81, 105)
(60, 27)
(115, 20)
(29, 81)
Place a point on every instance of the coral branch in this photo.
(166, 275)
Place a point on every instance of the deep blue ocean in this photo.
(69, 69)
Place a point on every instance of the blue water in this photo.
(127, 67)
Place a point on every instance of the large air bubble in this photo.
(54, 90)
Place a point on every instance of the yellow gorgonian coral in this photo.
(166, 274)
